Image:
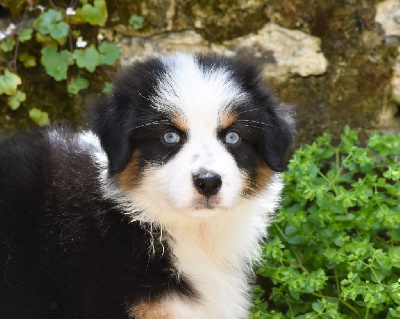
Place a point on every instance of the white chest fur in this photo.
(216, 256)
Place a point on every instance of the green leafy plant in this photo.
(39, 117)
(76, 85)
(136, 21)
(334, 250)
(70, 45)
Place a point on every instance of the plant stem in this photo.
(338, 299)
(300, 263)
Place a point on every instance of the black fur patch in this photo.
(64, 250)
(261, 124)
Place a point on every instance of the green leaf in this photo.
(48, 20)
(318, 306)
(55, 63)
(7, 44)
(87, 58)
(9, 82)
(25, 34)
(15, 101)
(295, 240)
(136, 21)
(50, 23)
(109, 53)
(79, 84)
(393, 172)
(95, 14)
(39, 117)
(108, 87)
(28, 60)
(60, 31)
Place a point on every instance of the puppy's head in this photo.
(192, 134)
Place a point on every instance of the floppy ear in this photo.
(278, 137)
(113, 126)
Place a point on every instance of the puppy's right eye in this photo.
(232, 138)
(171, 137)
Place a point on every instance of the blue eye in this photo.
(171, 137)
(232, 138)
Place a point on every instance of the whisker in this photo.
(262, 128)
(244, 194)
(150, 123)
(252, 189)
(246, 111)
(257, 122)
(254, 184)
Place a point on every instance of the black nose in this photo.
(207, 183)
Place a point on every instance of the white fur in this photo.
(214, 248)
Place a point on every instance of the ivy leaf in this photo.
(45, 39)
(7, 45)
(136, 21)
(108, 87)
(109, 53)
(60, 31)
(95, 14)
(48, 20)
(87, 58)
(28, 60)
(39, 117)
(15, 101)
(79, 84)
(25, 34)
(55, 63)
(9, 82)
(50, 24)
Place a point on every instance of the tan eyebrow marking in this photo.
(179, 121)
(227, 119)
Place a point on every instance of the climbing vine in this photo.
(68, 50)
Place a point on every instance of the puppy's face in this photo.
(193, 135)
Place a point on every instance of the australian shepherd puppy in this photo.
(158, 210)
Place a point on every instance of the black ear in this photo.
(113, 126)
(278, 136)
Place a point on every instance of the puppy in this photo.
(158, 210)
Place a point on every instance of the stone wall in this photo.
(336, 60)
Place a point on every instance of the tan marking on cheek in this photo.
(259, 181)
(130, 177)
(179, 121)
(227, 119)
(151, 310)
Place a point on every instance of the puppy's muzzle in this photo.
(208, 183)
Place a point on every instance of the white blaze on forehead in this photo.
(200, 95)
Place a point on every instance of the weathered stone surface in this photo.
(219, 20)
(388, 15)
(396, 80)
(136, 48)
(215, 20)
(280, 51)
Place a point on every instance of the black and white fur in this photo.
(126, 221)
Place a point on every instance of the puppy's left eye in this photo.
(232, 138)
(171, 137)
